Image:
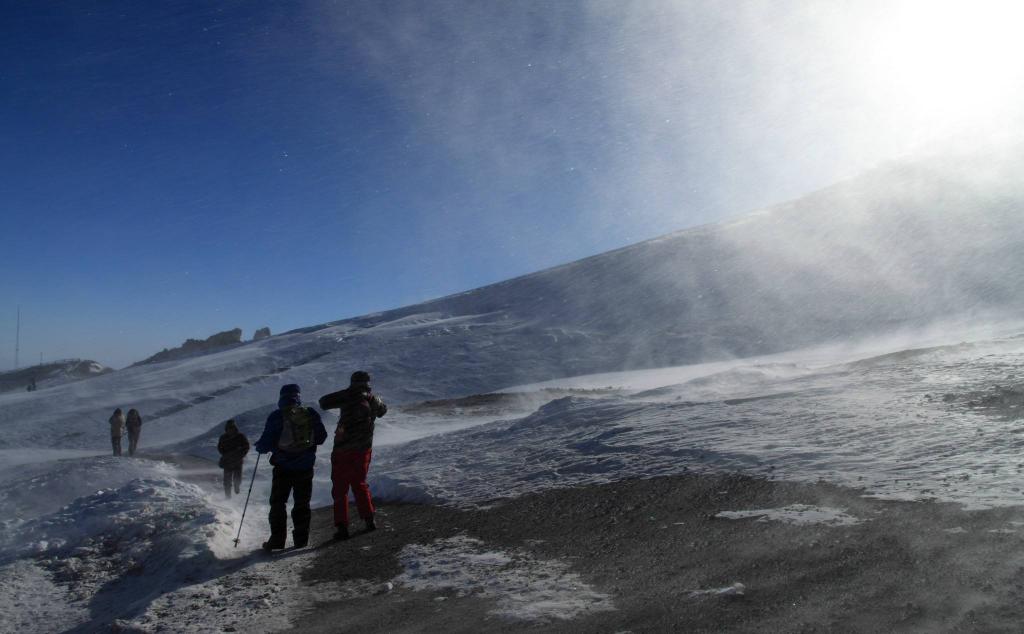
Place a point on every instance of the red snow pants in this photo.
(348, 469)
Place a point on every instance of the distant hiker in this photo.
(291, 434)
(32, 385)
(353, 445)
(233, 446)
(134, 424)
(116, 430)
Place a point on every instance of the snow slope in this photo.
(900, 247)
(146, 541)
(747, 346)
(884, 423)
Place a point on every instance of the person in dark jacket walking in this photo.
(134, 424)
(358, 409)
(291, 436)
(233, 447)
(116, 430)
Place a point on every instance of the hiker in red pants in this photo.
(353, 444)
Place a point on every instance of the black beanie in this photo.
(360, 376)
(290, 389)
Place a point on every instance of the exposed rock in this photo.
(196, 347)
(262, 333)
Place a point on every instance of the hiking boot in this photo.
(300, 541)
(274, 543)
(341, 534)
(370, 524)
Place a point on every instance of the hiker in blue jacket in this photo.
(291, 436)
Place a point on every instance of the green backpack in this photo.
(296, 429)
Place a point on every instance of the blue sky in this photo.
(172, 169)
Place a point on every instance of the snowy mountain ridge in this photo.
(900, 246)
(879, 301)
(896, 248)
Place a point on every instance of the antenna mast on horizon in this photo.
(17, 339)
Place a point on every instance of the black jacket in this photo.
(133, 422)
(359, 408)
(233, 449)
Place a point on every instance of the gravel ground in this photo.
(652, 546)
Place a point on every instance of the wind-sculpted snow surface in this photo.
(41, 488)
(881, 424)
(143, 548)
(115, 532)
(108, 538)
(107, 553)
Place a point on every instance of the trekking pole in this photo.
(255, 467)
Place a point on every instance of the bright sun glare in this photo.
(945, 63)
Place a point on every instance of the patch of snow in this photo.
(114, 532)
(799, 514)
(30, 601)
(735, 590)
(110, 552)
(524, 588)
(104, 540)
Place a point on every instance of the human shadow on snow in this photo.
(130, 595)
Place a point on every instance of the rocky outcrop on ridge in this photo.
(194, 347)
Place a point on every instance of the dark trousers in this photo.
(232, 475)
(115, 441)
(133, 443)
(299, 484)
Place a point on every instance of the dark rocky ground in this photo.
(915, 567)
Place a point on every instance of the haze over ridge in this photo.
(902, 245)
